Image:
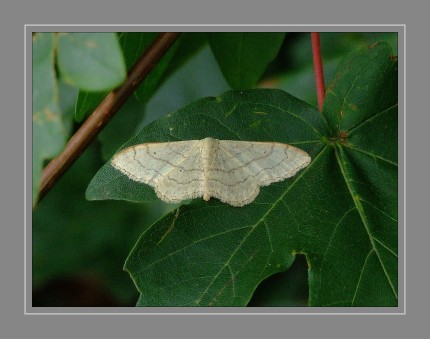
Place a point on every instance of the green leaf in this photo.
(351, 98)
(243, 57)
(86, 102)
(361, 110)
(48, 129)
(133, 45)
(340, 211)
(91, 61)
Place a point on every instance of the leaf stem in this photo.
(318, 68)
(104, 112)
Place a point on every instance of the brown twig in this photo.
(104, 112)
(318, 68)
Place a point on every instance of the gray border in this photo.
(221, 310)
(12, 18)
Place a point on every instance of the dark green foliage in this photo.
(341, 211)
(339, 214)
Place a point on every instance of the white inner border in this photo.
(138, 310)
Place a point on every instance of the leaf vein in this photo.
(379, 210)
(370, 154)
(385, 246)
(361, 124)
(361, 275)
